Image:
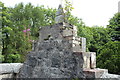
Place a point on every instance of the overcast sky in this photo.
(93, 12)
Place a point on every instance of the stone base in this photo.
(2, 76)
(54, 59)
(94, 73)
(8, 68)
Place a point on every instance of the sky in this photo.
(92, 12)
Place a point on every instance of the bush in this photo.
(13, 58)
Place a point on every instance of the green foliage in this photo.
(13, 58)
(1, 45)
(1, 58)
(114, 24)
(68, 8)
(99, 38)
(17, 19)
(87, 33)
(4, 21)
(29, 16)
(96, 36)
(110, 55)
(76, 21)
(99, 41)
(49, 16)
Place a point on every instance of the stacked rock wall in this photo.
(53, 55)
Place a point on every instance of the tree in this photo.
(12, 35)
(86, 32)
(1, 45)
(110, 55)
(68, 8)
(114, 27)
(21, 26)
(5, 23)
(100, 37)
(32, 17)
(49, 16)
(96, 36)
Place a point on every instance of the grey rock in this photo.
(50, 65)
(95, 73)
(59, 53)
(111, 76)
(53, 57)
(60, 15)
(83, 41)
(16, 67)
(6, 68)
(10, 68)
(60, 11)
(4, 76)
(67, 33)
(93, 60)
(59, 19)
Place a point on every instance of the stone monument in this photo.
(60, 53)
(53, 54)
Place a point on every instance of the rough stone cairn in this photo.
(59, 53)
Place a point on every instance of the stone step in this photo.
(94, 73)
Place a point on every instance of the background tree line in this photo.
(20, 26)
